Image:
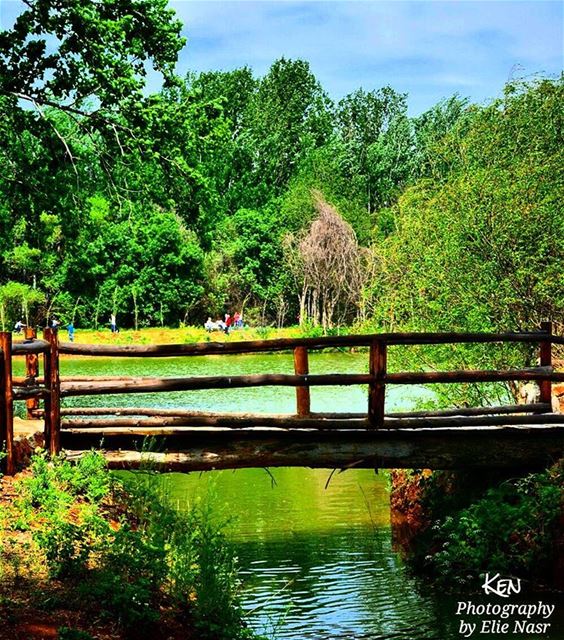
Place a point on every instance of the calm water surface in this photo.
(317, 561)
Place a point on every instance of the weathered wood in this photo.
(510, 448)
(153, 426)
(23, 381)
(31, 372)
(31, 346)
(301, 367)
(27, 393)
(7, 401)
(436, 377)
(53, 398)
(377, 389)
(535, 407)
(189, 413)
(546, 361)
(149, 385)
(218, 421)
(286, 344)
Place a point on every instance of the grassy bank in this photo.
(463, 526)
(86, 555)
(165, 335)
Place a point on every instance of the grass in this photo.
(164, 335)
(182, 335)
(88, 553)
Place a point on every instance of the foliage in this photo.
(19, 301)
(510, 528)
(61, 52)
(169, 207)
(130, 553)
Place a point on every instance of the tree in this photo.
(290, 115)
(326, 263)
(19, 301)
(374, 129)
(483, 248)
(87, 58)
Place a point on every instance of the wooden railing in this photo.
(51, 387)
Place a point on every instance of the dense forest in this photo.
(227, 191)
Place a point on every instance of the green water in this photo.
(317, 561)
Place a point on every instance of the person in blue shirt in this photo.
(70, 330)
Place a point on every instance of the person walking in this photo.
(70, 331)
(113, 324)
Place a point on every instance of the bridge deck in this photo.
(199, 449)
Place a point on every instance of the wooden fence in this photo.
(50, 388)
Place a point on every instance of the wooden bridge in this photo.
(513, 436)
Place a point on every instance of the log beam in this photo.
(510, 448)
(7, 401)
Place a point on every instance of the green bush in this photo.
(510, 529)
(130, 552)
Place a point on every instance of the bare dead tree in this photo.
(326, 263)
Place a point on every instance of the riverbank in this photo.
(454, 526)
(182, 335)
(85, 555)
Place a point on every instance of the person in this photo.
(70, 330)
(113, 324)
(209, 326)
(55, 324)
(19, 326)
(237, 320)
(228, 322)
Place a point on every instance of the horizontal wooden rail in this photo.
(283, 344)
(151, 385)
(29, 346)
(116, 426)
(469, 376)
(24, 393)
(191, 413)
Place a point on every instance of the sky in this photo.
(429, 49)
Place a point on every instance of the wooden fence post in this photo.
(546, 361)
(31, 372)
(7, 401)
(377, 389)
(53, 397)
(301, 367)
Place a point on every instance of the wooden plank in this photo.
(301, 367)
(511, 448)
(152, 426)
(546, 361)
(31, 346)
(150, 385)
(179, 412)
(377, 389)
(286, 344)
(535, 407)
(7, 401)
(53, 398)
(31, 373)
(27, 393)
(436, 377)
